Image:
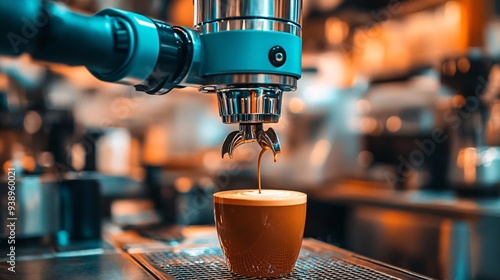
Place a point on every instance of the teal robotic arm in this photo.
(247, 52)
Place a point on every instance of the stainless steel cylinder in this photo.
(217, 10)
(249, 105)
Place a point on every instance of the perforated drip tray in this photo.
(317, 260)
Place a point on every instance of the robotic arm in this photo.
(247, 52)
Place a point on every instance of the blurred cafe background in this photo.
(393, 132)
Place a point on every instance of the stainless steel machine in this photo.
(247, 52)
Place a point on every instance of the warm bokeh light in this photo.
(452, 12)
(365, 159)
(463, 65)
(449, 68)
(375, 52)
(296, 105)
(6, 166)
(19, 159)
(455, 15)
(367, 125)
(32, 122)
(336, 30)
(212, 160)
(156, 145)
(4, 81)
(467, 160)
(183, 184)
(29, 163)
(458, 101)
(422, 38)
(78, 156)
(493, 126)
(393, 123)
(130, 206)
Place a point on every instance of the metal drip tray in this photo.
(317, 260)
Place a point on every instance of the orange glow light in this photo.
(336, 30)
(467, 159)
(463, 65)
(296, 105)
(183, 184)
(393, 123)
(6, 166)
(367, 125)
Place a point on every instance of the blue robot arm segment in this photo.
(116, 46)
(51, 32)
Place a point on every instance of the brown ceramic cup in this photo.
(260, 233)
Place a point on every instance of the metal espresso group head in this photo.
(268, 139)
(252, 54)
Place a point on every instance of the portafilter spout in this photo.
(254, 132)
(250, 107)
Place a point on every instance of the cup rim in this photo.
(268, 197)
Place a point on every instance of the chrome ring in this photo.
(250, 24)
(216, 10)
(217, 82)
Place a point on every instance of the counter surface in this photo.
(444, 203)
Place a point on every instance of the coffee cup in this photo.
(260, 233)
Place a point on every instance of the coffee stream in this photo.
(258, 168)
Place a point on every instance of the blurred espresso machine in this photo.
(443, 137)
(474, 123)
